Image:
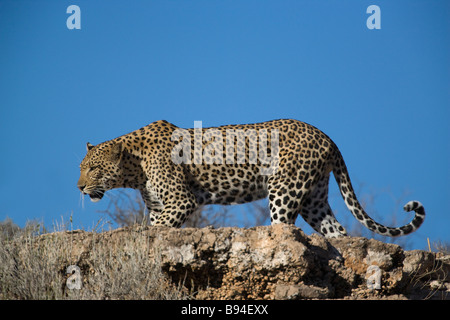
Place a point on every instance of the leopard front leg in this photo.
(175, 214)
(172, 209)
(153, 203)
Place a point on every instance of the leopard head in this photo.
(101, 169)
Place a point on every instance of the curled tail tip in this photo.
(414, 206)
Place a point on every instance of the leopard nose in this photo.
(81, 187)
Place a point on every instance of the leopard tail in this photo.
(343, 180)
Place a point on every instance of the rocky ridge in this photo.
(275, 262)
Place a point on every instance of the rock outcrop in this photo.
(276, 262)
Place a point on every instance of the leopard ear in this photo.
(116, 152)
(89, 146)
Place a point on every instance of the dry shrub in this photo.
(34, 267)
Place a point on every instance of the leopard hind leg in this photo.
(284, 203)
(317, 212)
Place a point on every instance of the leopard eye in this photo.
(92, 168)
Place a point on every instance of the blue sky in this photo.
(381, 95)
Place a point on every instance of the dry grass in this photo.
(432, 280)
(34, 267)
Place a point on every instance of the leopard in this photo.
(177, 171)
